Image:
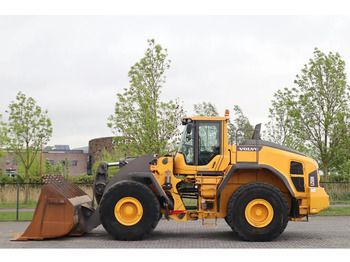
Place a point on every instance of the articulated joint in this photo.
(101, 180)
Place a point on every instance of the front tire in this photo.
(257, 211)
(129, 210)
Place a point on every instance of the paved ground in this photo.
(319, 232)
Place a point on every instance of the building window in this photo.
(11, 172)
(74, 163)
(7, 162)
(52, 162)
(14, 162)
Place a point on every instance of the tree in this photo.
(2, 138)
(278, 128)
(34, 169)
(317, 109)
(28, 128)
(113, 156)
(140, 117)
(62, 168)
(48, 167)
(205, 109)
(341, 161)
(239, 129)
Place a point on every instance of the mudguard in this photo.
(138, 165)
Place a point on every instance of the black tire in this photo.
(144, 221)
(226, 220)
(259, 224)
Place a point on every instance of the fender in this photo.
(150, 176)
(251, 166)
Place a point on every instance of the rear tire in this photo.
(257, 211)
(129, 210)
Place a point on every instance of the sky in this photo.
(74, 65)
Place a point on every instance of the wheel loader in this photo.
(255, 186)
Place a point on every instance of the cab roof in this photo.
(189, 119)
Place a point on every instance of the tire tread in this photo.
(231, 210)
(107, 203)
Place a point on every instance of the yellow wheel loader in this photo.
(256, 186)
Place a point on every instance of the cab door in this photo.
(208, 151)
(201, 149)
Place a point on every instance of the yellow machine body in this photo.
(293, 173)
(256, 186)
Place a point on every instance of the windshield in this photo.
(186, 145)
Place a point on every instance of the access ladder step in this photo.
(209, 223)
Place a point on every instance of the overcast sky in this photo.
(74, 66)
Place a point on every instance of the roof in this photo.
(207, 118)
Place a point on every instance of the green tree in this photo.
(28, 128)
(148, 124)
(48, 167)
(278, 128)
(341, 161)
(239, 128)
(205, 109)
(62, 168)
(2, 139)
(66, 167)
(113, 156)
(317, 109)
(34, 169)
(59, 168)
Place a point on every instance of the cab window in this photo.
(208, 141)
(186, 144)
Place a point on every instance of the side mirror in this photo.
(189, 128)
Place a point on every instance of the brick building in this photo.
(79, 161)
(8, 164)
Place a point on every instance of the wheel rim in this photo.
(128, 211)
(259, 213)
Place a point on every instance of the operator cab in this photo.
(206, 137)
(201, 147)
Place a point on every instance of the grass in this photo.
(11, 216)
(335, 211)
(31, 204)
(337, 191)
(340, 202)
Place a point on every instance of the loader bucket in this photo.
(62, 209)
